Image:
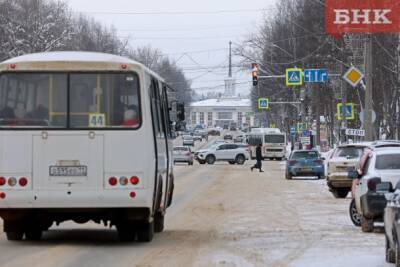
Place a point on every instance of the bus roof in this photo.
(266, 130)
(55, 58)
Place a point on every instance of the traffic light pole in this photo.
(367, 123)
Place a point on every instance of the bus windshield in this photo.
(96, 100)
(275, 139)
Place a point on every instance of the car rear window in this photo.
(388, 162)
(181, 149)
(348, 152)
(305, 155)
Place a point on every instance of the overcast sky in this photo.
(204, 37)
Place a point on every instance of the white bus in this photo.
(273, 143)
(83, 137)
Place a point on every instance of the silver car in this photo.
(183, 154)
(188, 140)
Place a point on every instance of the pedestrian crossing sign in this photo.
(349, 111)
(263, 103)
(301, 127)
(294, 77)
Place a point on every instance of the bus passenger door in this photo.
(160, 144)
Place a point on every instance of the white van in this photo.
(83, 137)
(273, 143)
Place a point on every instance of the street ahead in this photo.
(222, 215)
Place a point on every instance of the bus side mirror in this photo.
(180, 111)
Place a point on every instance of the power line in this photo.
(218, 86)
(195, 52)
(191, 29)
(232, 11)
(178, 38)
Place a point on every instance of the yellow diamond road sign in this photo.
(353, 76)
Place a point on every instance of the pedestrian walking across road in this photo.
(259, 158)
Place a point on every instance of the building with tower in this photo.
(225, 110)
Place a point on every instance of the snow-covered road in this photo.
(222, 215)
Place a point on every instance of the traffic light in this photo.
(254, 73)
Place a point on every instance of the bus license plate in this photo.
(75, 171)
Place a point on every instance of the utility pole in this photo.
(318, 119)
(367, 123)
(343, 121)
(230, 60)
(398, 88)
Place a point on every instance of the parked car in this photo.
(378, 172)
(343, 159)
(239, 139)
(231, 153)
(214, 132)
(392, 226)
(305, 163)
(197, 137)
(188, 140)
(203, 133)
(183, 154)
(228, 137)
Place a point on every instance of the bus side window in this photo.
(154, 106)
(165, 111)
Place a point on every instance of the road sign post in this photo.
(294, 77)
(316, 76)
(301, 127)
(349, 111)
(355, 132)
(353, 76)
(263, 103)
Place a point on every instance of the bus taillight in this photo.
(123, 180)
(134, 180)
(2, 195)
(12, 181)
(132, 194)
(2, 181)
(113, 181)
(23, 181)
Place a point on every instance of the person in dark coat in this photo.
(259, 159)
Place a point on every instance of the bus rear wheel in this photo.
(159, 222)
(14, 230)
(33, 234)
(15, 235)
(126, 231)
(145, 232)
